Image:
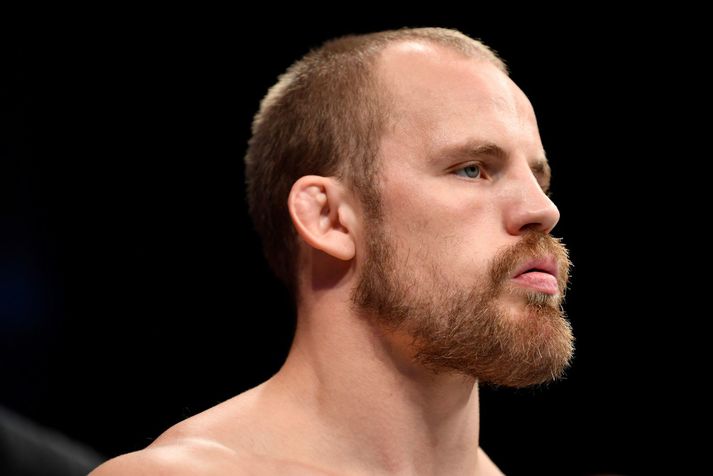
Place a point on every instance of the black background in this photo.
(133, 292)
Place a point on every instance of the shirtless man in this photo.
(400, 187)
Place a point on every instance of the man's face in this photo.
(463, 211)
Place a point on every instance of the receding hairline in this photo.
(539, 164)
(478, 50)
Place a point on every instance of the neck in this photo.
(373, 408)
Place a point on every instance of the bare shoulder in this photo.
(187, 456)
(200, 457)
(229, 438)
(192, 446)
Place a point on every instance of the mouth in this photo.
(539, 274)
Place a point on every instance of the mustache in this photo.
(533, 244)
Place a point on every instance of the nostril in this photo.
(531, 226)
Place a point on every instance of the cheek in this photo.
(444, 207)
(444, 228)
(421, 216)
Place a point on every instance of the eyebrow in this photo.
(474, 149)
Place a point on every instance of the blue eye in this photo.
(469, 171)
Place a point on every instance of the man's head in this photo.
(326, 116)
(442, 152)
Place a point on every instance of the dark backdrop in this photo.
(133, 292)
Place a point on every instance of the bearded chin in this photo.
(498, 335)
(503, 347)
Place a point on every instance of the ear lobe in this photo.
(320, 215)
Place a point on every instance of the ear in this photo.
(322, 215)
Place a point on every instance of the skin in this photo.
(350, 399)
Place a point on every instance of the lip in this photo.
(539, 274)
(547, 264)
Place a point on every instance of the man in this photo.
(400, 187)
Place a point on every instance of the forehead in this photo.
(440, 97)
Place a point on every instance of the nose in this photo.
(529, 207)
